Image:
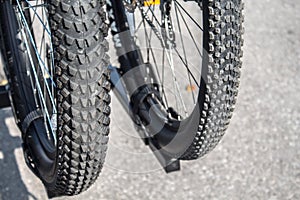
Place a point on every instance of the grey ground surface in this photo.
(259, 157)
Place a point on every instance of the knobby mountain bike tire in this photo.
(187, 116)
(55, 53)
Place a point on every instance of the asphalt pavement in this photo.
(258, 158)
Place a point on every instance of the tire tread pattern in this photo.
(82, 78)
(224, 63)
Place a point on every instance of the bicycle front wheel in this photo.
(57, 67)
(189, 53)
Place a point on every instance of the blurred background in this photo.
(258, 158)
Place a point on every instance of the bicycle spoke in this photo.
(35, 6)
(41, 71)
(184, 52)
(188, 15)
(42, 63)
(190, 33)
(156, 20)
(163, 80)
(39, 87)
(36, 14)
(187, 68)
(175, 82)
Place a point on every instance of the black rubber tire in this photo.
(82, 79)
(223, 74)
(222, 42)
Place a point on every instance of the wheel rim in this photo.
(40, 138)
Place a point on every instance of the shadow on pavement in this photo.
(11, 184)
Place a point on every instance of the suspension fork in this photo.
(129, 54)
(133, 69)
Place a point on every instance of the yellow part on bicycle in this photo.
(151, 2)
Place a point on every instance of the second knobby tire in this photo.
(224, 29)
(82, 98)
(195, 67)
